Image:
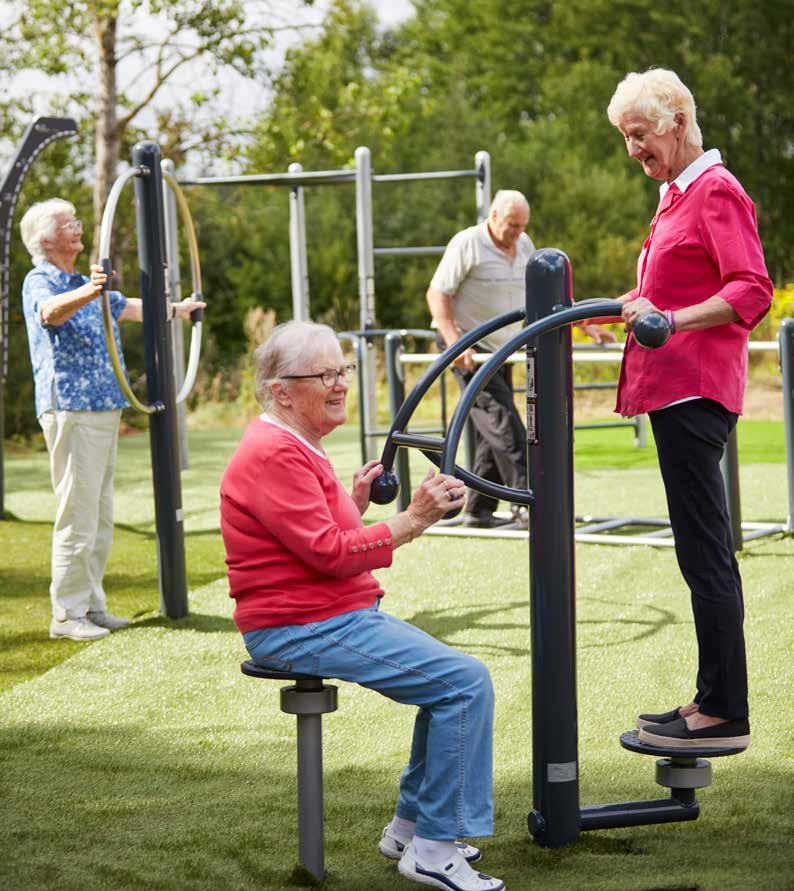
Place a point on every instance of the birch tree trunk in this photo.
(108, 139)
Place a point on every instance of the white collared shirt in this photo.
(268, 420)
(689, 174)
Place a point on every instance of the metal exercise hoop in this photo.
(195, 272)
(195, 278)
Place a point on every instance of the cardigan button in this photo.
(354, 549)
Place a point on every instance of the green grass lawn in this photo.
(145, 760)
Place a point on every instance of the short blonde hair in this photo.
(657, 95)
(40, 224)
(287, 351)
(505, 200)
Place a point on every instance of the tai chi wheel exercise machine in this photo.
(557, 817)
(161, 388)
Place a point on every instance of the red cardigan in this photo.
(703, 242)
(297, 550)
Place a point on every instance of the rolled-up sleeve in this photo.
(729, 232)
(289, 501)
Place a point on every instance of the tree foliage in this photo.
(528, 80)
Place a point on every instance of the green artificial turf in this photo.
(146, 760)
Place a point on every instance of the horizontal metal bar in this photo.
(430, 174)
(383, 432)
(432, 250)
(305, 178)
(599, 385)
(637, 813)
(416, 441)
(606, 425)
(369, 333)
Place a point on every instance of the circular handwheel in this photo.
(648, 331)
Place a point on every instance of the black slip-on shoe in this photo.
(485, 521)
(664, 718)
(676, 735)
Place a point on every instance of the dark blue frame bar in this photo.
(163, 431)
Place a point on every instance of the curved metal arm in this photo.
(427, 380)
(195, 276)
(107, 316)
(564, 317)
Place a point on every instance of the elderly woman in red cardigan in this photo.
(300, 563)
(702, 266)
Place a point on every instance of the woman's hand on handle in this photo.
(438, 494)
(362, 484)
(635, 309)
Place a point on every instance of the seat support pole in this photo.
(310, 794)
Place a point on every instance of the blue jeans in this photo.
(447, 787)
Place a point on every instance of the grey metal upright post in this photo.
(310, 794)
(729, 465)
(174, 293)
(786, 340)
(395, 380)
(366, 295)
(299, 264)
(160, 382)
(482, 185)
(555, 775)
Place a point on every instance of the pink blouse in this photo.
(703, 242)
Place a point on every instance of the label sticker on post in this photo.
(532, 399)
(564, 772)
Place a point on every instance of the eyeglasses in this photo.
(72, 225)
(330, 377)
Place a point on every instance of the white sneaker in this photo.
(77, 629)
(391, 846)
(107, 620)
(453, 874)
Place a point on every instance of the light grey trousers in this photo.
(82, 448)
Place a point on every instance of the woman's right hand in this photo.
(438, 494)
(98, 280)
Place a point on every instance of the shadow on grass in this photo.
(192, 622)
(149, 805)
(449, 623)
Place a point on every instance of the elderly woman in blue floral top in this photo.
(78, 404)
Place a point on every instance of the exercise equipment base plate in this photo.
(630, 740)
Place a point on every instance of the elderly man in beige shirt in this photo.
(481, 275)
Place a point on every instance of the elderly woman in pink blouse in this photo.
(702, 266)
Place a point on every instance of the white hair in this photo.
(505, 200)
(40, 224)
(657, 95)
(286, 351)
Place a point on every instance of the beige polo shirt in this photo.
(482, 280)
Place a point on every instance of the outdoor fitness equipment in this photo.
(557, 818)
(35, 139)
(163, 434)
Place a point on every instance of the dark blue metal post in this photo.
(555, 818)
(163, 430)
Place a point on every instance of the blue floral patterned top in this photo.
(71, 366)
